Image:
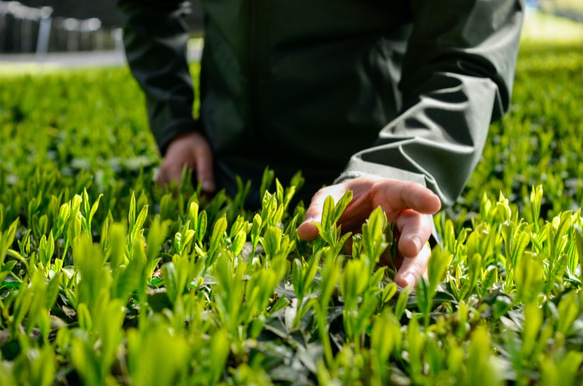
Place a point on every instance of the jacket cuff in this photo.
(357, 167)
(174, 129)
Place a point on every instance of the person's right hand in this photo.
(192, 150)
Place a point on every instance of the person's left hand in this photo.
(407, 204)
(193, 151)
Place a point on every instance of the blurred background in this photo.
(41, 35)
(41, 26)
(45, 26)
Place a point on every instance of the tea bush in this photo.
(105, 278)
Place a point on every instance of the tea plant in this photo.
(105, 278)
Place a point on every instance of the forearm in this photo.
(457, 77)
(437, 141)
(155, 39)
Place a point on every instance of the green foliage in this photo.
(105, 278)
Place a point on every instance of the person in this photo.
(390, 99)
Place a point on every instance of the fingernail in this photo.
(409, 278)
(208, 186)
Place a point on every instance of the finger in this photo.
(204, 168)
(167, 174)
(356, 212)
(308, 231)
(173, 174)
(413, 267)
(415, 229)
(394, 196)
(161, 178)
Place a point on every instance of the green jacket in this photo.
(335, 88)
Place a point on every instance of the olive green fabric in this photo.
(335, 88)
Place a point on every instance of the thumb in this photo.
(308, 231)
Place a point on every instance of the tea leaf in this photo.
(6, 239)
(568, 311)
(402, 302)
(219, 230)
(533, 319)
(238, 243)
(479, 363)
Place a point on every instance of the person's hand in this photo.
(192, 150)
(407, 204)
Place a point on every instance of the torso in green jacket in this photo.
(298, 84)
(401, 89)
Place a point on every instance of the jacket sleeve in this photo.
(457, 77)
(155, 39)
